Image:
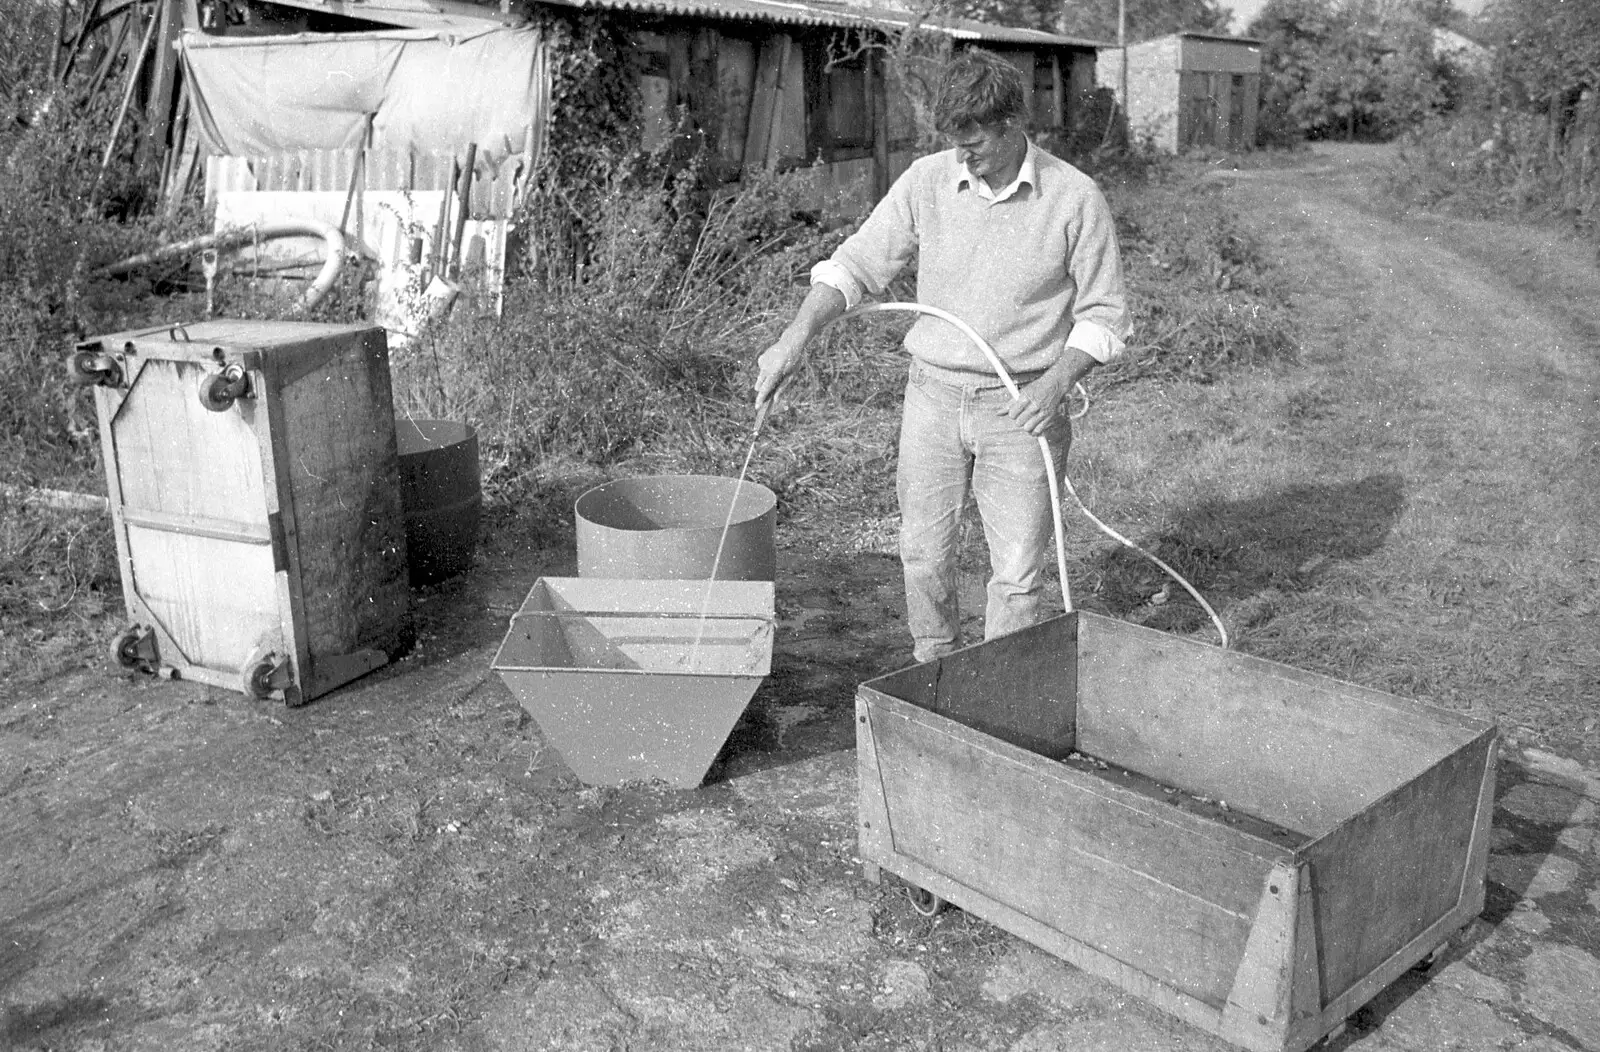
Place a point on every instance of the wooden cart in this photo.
(1256, 849)
(255, 498)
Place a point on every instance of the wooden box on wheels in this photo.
(1256, 849)
(255, 496)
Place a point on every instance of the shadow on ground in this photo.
(1247, 553)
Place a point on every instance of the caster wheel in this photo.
(88, 368)
(219, 391)
(262, 674)
(133, 649)
(924, 901)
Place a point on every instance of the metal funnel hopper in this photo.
(628, 680)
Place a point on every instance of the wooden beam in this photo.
(163, 79)
(878, 94)
(414, 14)
(762, 138)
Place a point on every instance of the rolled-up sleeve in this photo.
(874, 254)
(1101, 323)
(835, 276)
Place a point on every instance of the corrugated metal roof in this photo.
(831, 13)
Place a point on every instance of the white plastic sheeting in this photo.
(425, 91)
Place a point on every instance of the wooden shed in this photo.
(378, 117)
(1188, 90)
(781, 85)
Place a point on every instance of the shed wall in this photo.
(1186, 92)
(1220, 56)
(1152, 103)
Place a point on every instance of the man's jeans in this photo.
(951, 436)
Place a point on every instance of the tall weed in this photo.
(646, 343)
(1203, 298)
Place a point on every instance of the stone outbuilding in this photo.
(1188, 90)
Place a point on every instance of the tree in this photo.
(1550, 51)
(1339, 67)
(1097, 19)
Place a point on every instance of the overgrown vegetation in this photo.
(62, 214)
(1524, 140)
(626, 343)
(1350, 68)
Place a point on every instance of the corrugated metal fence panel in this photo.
(494, 192)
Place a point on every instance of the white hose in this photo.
(332, 240)
(1049, 462)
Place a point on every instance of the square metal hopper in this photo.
(634, 680)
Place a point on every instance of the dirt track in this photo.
(404, 864)
(1468, 356)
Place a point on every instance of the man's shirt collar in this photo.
(1028, 175)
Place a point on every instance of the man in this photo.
(1021, 246)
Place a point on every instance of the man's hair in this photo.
(978, 87)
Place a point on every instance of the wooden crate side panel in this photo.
(338, 447)
(1123, 975)
(191, 508)
(217, 599)
(176, 457)
(1020, 688)
(1301, 750)
(1389, 874)
(1154, 891)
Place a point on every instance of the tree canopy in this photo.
(1347, 67)
(1551, 48)
(1097, 19)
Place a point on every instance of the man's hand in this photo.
(1038, 405)
(1046, 398)
(775, 366)
(779, 362)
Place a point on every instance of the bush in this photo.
(648, 343)
(1203, 298)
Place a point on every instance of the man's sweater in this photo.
(1034, 272)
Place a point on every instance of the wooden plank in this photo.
(1160, 889)
(342, 473)
(1378, 979)
(1252, 104)
(1222, 114)
(874, 832)
(1473, 891)
(178, 458)
(1276, 996)
(877, 92)
(107, 403)
(199, 526)
(775, 69)
(1387, 874)
(736, 70)
(289, 583)
(160, 89)
(214, 597)
(788, 142)
(1297, 749)
(1079, 954)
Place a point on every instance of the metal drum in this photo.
(669, 527)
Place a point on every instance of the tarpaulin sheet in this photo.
(424, 90)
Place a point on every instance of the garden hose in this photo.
(1049, 461)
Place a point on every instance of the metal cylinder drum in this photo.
(669, 527)
(441, 494)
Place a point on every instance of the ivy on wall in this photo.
(593, 97)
